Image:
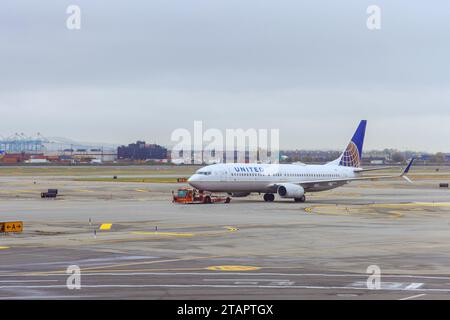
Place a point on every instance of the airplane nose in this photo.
(195, 181)
(193, 178)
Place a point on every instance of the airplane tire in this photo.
(269, 197)
(207, 199)
(301, 199)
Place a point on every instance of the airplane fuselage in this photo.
(289, 180)
(261, 178)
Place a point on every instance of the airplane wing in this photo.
(345, 180)
(373, 169)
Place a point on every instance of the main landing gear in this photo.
(270, 197)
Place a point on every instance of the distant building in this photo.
(13, 158)
(141, 151)
(377, 161)
(309, 156)
(36, 161)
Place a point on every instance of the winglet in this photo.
(407, 167)
(405, 172)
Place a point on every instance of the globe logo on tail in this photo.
(350, 157)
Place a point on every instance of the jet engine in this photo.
(290, 190)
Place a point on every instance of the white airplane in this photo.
(288, 180)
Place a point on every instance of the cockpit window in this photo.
(182, 193)
(205, 173)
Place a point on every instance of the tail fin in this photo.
(352, 155)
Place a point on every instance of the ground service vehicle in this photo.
(51, 193)
(193, 196)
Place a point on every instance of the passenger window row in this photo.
(314, 175)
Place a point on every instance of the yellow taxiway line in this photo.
(176, 234)
(233, 268)
(185, 234)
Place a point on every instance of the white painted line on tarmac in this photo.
(218, 273)
(26, 281)
(271, 280)
(391, 285)
(414, 286)
(218, 286)
(43, 297)
(413, 297)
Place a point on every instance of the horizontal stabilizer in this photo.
(373, 169)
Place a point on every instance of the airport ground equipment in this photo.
(51, 193)
(193, 196)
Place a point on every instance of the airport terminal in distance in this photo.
(120, 226)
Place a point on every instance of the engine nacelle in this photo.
(238, 194)
(290, 190)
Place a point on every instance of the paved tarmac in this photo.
(247, 249)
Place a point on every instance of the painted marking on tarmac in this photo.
(26, 281)
(315, 287)
(84, 190)
(247, 282)
(141, 190)
(365, 208)
(233, 268)
(176, 234)
(325, 209)
(105, 226)
(4, 248)
(42, 297)
(130, 273)
(396, 214)
(250, 279)
(185, 234)
(155, 237)
(147, 262)
(413, 297)
(272, 282)
(414, 285)
(232, 229)
(391, 285)
(412, 204)
(433, 204)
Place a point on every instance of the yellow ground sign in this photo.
(13, 226)
(106, 226)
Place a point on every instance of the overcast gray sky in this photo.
(140, 69)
